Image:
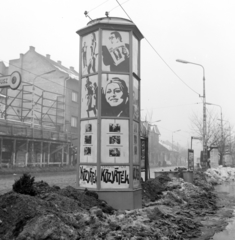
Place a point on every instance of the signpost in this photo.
(13, 81)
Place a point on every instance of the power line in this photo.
(118, 6)
(161, 56)
(97, 6)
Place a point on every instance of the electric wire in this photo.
(97, 6)
(118, 6)
(160, 55)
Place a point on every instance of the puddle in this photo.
(229, 232)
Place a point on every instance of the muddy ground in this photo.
(172, 209)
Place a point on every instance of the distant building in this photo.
(50, 91)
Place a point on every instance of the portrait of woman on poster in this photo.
(115, 98)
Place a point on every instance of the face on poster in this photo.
(136, 176)
(88, 176)
(115, 177)
(135, 142)
(115, 95)
(114, 141)
(115, 51)
(135, 55)
(90, 53)
(88, 141)
(136, 108)
(89, 104)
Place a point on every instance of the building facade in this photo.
(38, 121)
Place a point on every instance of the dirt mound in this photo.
(172, 209)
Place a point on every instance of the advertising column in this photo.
(109, 150)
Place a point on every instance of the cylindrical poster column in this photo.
(109, 121)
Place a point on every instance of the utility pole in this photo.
(204, 140)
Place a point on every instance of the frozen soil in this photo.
(172, 209)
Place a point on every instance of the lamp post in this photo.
(33, 105)
(204, 111)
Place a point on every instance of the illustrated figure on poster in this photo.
(114, 152)
(84, 55)
(88, 127)
(87, 151)
(117, 56)
(89, 54)
(91, 96)
(114, 140)
(115, 98)
(114, 127)
(91, 64)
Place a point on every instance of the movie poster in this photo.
(90, 45)
(136, 176)
(88, 141)
(115, 177)
(114, 141)
(89, 92)
(115, 51)
(115, 95)
(136, 142)
(88, 176)
(136, 108)
(135, 48)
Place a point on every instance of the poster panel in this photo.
(136, 176)
(114, 141)
(136, 107)
(190, 159)
(89, 50)
(88, 141)
(115, 177)
(115, 51)
(135, 49)
(115, 95)
(88, 176)
(135, 142)
(89, 92)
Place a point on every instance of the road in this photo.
(61, 179)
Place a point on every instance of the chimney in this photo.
(59, 62)
(31, 48)
(48, 56)
(72, 68)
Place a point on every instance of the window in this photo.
(74, 96)
(74, 122)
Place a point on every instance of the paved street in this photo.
(61, 179)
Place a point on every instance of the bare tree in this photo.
(217, 136)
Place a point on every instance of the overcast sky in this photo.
(201, 31)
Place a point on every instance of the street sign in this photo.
(13, 81)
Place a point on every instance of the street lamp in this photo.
(204, 110)
(172, 138)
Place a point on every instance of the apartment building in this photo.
(38, 121)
